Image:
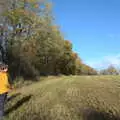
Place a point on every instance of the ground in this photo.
(67, 98)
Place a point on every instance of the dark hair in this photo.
(3, 66)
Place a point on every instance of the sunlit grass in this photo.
(67, 98)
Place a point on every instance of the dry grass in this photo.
(67, 98)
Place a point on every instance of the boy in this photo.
(5, 87)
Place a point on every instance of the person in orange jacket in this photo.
(5, 87)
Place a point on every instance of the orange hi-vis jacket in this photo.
(4, 83)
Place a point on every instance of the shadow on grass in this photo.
(9, 98)
(18, 104)
(92, 114)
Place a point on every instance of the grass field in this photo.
(67, 98)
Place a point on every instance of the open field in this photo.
(67, 98)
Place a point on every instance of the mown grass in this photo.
(67, 98)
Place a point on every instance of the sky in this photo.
(93, 27)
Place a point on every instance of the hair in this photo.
(3, 66)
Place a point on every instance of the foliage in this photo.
(111, 70)
(35, 45)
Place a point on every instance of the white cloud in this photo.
(105, 62)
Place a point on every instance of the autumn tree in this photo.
(33, 44)
(111, 70)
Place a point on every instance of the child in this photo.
(5, 87)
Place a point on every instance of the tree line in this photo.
(33, 43)
(110, 70)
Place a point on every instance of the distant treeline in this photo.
(111, 70)
(35, 44)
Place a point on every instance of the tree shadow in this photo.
(92, 114)
(18, 104)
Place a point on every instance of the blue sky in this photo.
(93, 26)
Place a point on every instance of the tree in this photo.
(66, 62)
(87, 70)
(111, 70)
(26, 25)
(34, 45)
